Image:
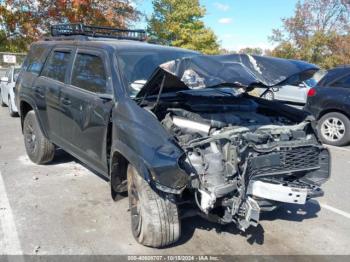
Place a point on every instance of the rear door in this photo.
(88, 99)
(341, 87)
(47, 90)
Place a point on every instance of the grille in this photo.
(284, 161)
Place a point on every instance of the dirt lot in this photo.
(64, 208)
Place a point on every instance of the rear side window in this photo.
(56, 66)
(89, 73)
(332, 75)
(343, 82)
(35, 59)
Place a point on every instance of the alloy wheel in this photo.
(333, 129)
(135, 208)
(30, 138)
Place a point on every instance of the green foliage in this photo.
(24, 21)
(13, 44)
(178, 23)
(318, 32)
(251, 51)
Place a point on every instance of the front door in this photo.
(89, 108)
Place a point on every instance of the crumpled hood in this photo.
(237, 70)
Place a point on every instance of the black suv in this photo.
(329, 102)
(174, 129)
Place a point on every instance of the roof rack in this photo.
(61, 30)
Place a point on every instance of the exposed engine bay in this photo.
(244, 157)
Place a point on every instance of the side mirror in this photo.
(4, 79)
(302, 85)
(106, 97)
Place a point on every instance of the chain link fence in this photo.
(8, 59)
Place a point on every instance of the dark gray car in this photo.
(174, 129)
(329, 102)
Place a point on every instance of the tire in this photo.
(12, 113)
(269, 95)
(39, 149)
(334, 129)
(154, 218)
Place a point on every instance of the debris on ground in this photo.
(36, 249)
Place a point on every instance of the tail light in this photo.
(312, 92)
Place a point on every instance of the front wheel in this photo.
(334, 129)
(39, 149)
(154, 217)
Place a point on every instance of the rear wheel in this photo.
(154, 217)
(39, 149)
(334, 129)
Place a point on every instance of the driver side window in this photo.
(89, 74)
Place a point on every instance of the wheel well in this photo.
(118, 172)
(332, 111)
(24, 109)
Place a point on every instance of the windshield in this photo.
(137, 66)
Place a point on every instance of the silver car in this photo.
(290, 93)
(7, 95)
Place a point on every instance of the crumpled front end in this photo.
(243, 162)
(242, 155)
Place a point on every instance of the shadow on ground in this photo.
(292, 212)
(253, 235)
(62, 157)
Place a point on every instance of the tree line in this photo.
(318, 31)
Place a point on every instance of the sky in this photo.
(239, 23)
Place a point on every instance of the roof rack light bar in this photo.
(97, 31)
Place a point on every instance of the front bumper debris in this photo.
(278, 192)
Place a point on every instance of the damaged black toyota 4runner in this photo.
(174, 129)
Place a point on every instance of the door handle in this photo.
(66, 101)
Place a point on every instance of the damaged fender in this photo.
(138, 136)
